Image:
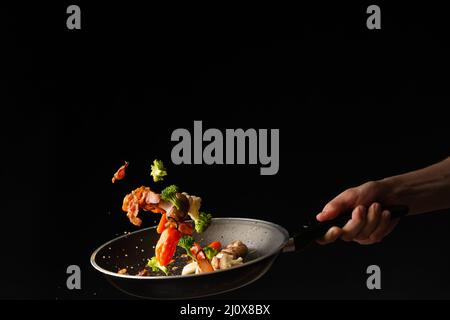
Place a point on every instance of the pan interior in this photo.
(261, 237)
(133, 250)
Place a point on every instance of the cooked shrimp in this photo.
(120, 174)
(131, 206)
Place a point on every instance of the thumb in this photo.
(334, 208)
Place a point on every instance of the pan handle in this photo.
(309, 233)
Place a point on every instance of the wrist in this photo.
(390, 190)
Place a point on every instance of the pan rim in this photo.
(125, 276)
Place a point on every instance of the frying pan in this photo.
(264, 239)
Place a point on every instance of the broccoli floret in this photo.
(186, 242)
(202, 222)
(170, 194)
(154, 264)
(158, 170)
(210, 252)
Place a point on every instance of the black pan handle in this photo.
(309, 233)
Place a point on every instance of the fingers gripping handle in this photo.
(315, 230)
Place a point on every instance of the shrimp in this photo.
(120, 174)
(131, 206)
(140, 198)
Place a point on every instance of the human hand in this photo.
(369, 222)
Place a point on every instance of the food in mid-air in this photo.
(120, 173)
(176, 230)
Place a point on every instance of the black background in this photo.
(351, 104)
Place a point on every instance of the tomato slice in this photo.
(186, 228)
(167, 244)
(215, 245)
(162, 223)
